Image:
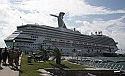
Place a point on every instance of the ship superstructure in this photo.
(31, 37)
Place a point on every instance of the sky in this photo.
(86, 16)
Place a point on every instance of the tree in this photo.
(57, 55)
(44, 54)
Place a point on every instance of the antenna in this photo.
(21, 20)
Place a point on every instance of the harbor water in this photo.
(114, 63)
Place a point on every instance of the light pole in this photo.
(78, 55)
(13, 44)
(73, 51)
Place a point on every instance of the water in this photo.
(110, 62)
(113, 59)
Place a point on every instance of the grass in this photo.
(31, 70)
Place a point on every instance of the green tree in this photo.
(57, 55)
(44, 54)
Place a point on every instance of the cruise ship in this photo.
(31, 37)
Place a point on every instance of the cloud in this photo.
(78, 21)
(72, 7)
(111, 28)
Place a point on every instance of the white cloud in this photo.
(112, 28)
(78, 21)
(73, 7)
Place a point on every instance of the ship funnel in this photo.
(60, 19)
